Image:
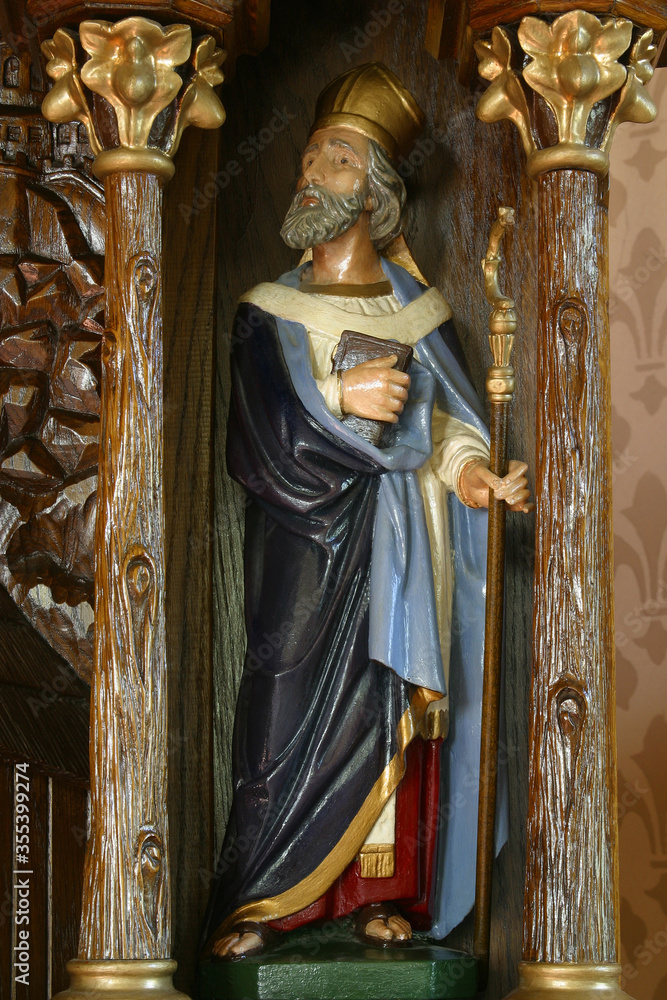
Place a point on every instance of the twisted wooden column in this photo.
(581, 78)
(135, 106)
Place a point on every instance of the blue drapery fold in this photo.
(403, 620)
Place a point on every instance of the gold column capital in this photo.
(128, 93)
(582, 78)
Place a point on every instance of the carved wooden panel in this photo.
(571, 910)
(484, 14)
(44, 704)
(51, 302)
(54, 554)
(210, 14)
(65, 178)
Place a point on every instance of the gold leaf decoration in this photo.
(200, 105)
(66, 100)
(505, 97)
(574, 65)
(635, 103)
(132, 66)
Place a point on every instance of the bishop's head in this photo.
(364, 121)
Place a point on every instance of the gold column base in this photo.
(119, 979)
(541, 980)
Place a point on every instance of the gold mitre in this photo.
(371, 100)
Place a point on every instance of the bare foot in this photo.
(388, 928)
(237, 944)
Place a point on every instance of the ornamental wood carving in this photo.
(48, 168)
(51, 322)
(585, 91)
(209, 14)
(571, 916)
(126, 895)
(128, 94)
(243, 26)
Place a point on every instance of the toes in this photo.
(378, 929)
(246, 943)
(401, 929)
(236, 944)
(225, 945)
(392, 928)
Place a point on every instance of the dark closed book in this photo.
(355, 348)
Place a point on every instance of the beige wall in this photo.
(638, 213)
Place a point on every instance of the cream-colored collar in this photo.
(407, 326)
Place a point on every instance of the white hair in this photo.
(388, 195)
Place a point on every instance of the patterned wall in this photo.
(638, 212)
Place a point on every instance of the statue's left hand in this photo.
(513, 489)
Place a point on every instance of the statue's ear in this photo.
(398, 252)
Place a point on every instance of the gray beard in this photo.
(307, 226)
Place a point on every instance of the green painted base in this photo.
(329, 963)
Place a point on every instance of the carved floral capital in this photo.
(146, 74)
(589, 75)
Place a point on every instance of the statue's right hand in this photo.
(375, 390)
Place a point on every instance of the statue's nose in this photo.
(314, 172)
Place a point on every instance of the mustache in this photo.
(336, 204)
(311, 191)
(324, 196)
(308, 225)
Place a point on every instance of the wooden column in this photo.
(129, 80)
(127, 895)
(566, 84)
(571, 916)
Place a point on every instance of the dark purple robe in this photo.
(316, 720)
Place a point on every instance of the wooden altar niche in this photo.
(460, 173)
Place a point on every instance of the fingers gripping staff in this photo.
(507, 487)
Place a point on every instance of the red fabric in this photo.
(416, 832)
(420, 909)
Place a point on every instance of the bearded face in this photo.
(307, 226)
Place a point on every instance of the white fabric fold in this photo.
(454, 445)
(328, 386)
(407, 326)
